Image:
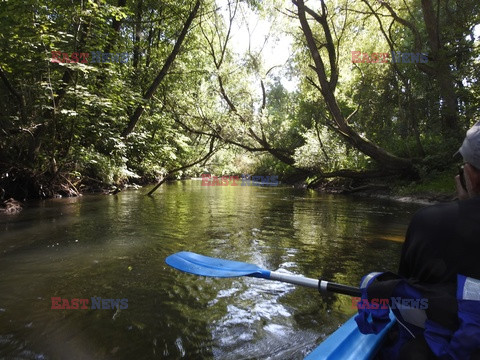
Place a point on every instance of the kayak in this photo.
(347, 342)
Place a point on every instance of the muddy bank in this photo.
(22, 184)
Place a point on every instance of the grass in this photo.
(433, 183)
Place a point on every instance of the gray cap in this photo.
(470, 149)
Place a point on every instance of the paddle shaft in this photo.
(207, 266)
(321, 285)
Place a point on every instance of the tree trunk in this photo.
(382, 157)
(138, 33)
(439, 68)
(57, 98)
(443, 73)
(163, 72)
(116, 24)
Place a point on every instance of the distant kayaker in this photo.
(440, 262)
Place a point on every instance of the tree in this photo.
(437, 23)
(66, 120)
(242, 117)
(163, 71)
(327, 89)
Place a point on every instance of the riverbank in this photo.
(24, 184)
(398, 194)
(432, 188)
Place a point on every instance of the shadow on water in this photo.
(114, 247)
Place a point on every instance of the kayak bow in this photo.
(347, 342)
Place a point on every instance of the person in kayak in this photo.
(440, 263)
(443, 240)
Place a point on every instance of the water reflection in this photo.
(115, 246)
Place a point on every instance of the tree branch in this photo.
(383, 157)
(163, 72)
(14, 92)
(211, 151)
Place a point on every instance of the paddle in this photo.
(208, 266)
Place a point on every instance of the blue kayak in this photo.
(347, 342)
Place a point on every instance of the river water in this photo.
(114, 247)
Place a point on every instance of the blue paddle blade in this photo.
(207, 266)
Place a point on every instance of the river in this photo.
(114, 247)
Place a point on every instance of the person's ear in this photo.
(462, 193)
(473, 176)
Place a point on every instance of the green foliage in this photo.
(433, 182)
(68, 118)
(108, 169)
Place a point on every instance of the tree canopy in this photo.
(188, 100)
